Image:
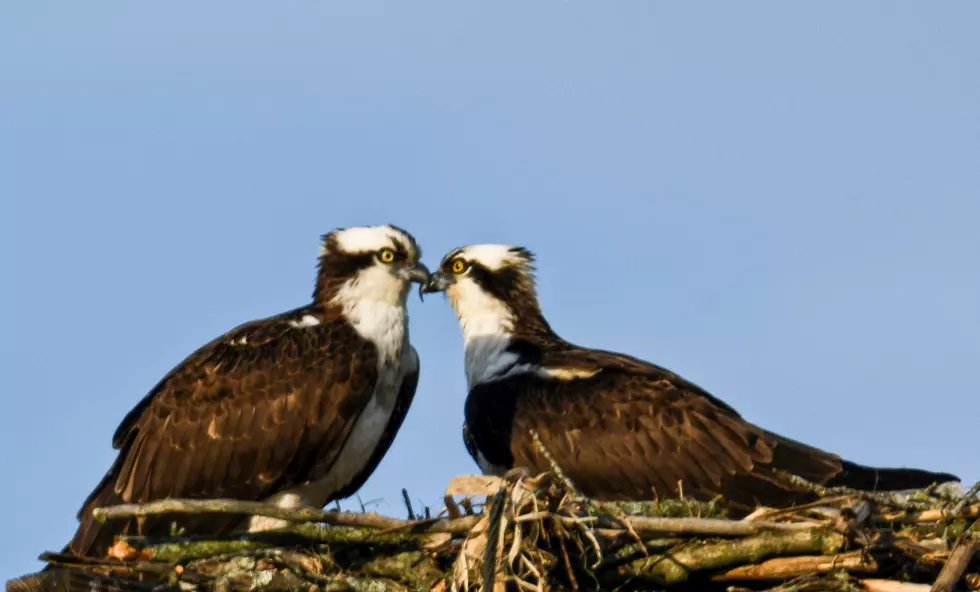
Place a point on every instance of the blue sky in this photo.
(778, 201)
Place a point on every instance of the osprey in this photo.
(619, 428)
(296, 409)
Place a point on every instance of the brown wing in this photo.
(625, 434)
(244, 416)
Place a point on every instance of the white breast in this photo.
(387, 327)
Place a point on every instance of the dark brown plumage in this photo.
(620, 428)
(266, 407)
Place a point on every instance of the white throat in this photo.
(374, 303)
(487, 327)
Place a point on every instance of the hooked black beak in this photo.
(436, 282)
(417, 273)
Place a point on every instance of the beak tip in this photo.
(436, 282)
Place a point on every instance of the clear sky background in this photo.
(779, 201)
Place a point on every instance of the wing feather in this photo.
(631, 430)
(241, 417)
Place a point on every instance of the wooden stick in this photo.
(709, 526)
(226, 506)
(769, 514)
(927, 515)
(957, 563)
(492, 551)
(790, 567)
(230, 506)
(676, 567)
(462, 525)
(554, 465)
(971, 494)
(874, 585)
(408, 504)
(451, 508)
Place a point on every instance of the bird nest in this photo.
(536, 533)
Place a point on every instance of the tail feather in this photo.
(93, 539)
(830, 470)
(857, 476)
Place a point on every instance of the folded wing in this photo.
(243, 417)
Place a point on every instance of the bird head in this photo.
(376, 263)
(491, 288)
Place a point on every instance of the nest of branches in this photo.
(535, 533)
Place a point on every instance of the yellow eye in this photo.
(459, 266)
(386, 255)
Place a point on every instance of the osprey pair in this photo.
(298, 409)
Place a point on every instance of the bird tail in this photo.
(93, 538)
(857, 476)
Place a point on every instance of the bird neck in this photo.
(373, 303)
(482, 317)
(492, 356)
(488, 357)
(498, 334)
(383, 324)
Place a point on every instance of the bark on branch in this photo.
(672, 568)
(640, 524)
(955, 566)
(784, 568)
(227, 506)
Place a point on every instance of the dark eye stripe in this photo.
(400, 251)
(450, 256)
(503, 284)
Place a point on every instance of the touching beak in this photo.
(417, 273)
(437, 282)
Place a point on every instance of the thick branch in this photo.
(710, 526)
(227, 506)
(872, 585)
(782, 568)
(970, 495)
(462, 525)
(676, 567)
(550, 532)
(957, 563)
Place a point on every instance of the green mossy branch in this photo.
(677, 566)
(543, 536)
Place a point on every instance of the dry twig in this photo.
(957, 563)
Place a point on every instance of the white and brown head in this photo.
(374, 264)
(492, 289)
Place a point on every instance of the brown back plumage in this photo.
(624, 429)
(244, 415)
